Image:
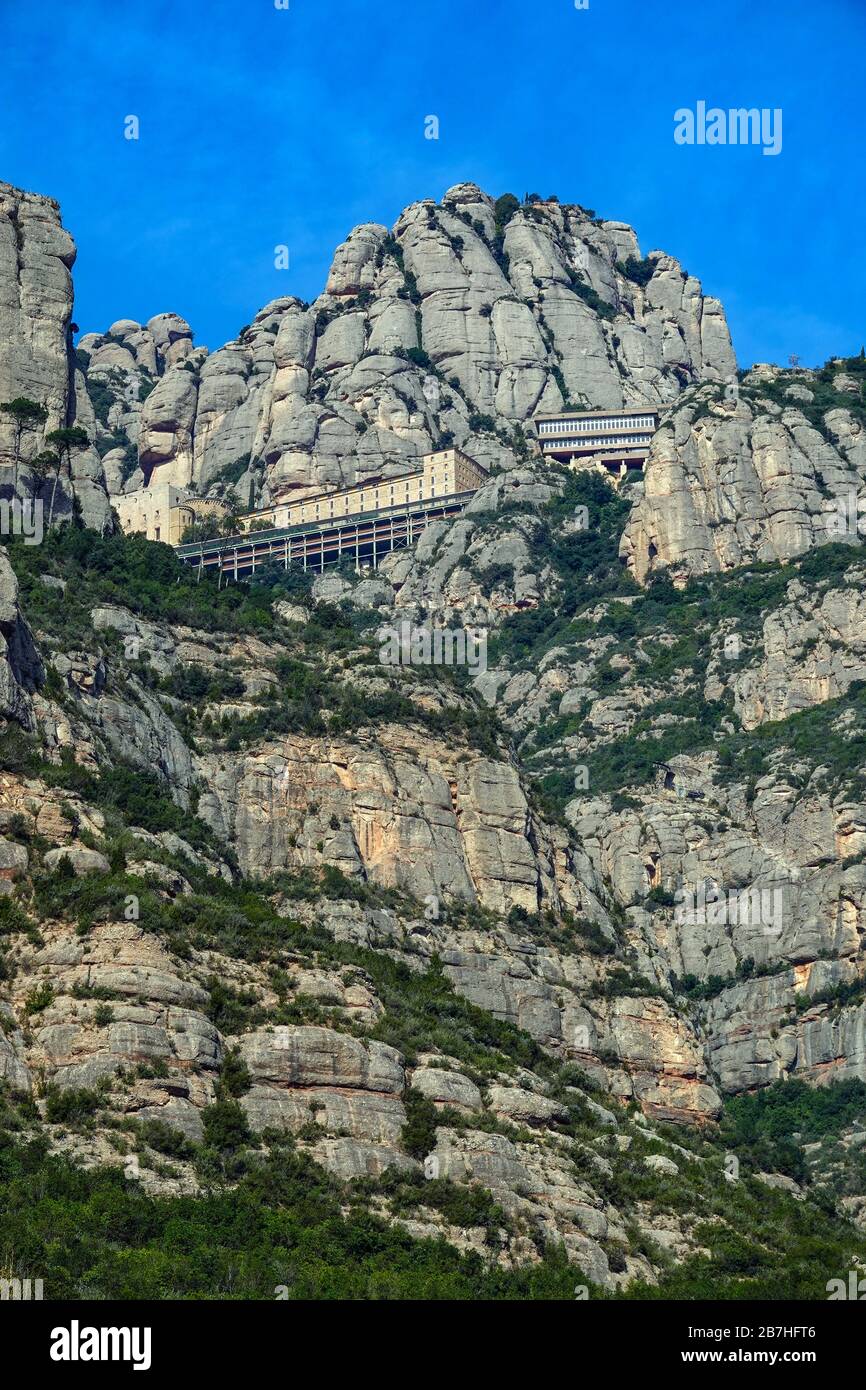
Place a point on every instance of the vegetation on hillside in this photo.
(674, 633)
(269, 1215)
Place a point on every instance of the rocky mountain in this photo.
(419, 932)
(461, 322)
(762, 470)
(36, 362)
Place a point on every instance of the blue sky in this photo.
(262, 126)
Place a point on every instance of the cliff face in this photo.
(450, 316)
(754, 472)
(36, 257)
(440, 819)
(241, 836)
(121, 368)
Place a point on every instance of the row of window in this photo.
(598, 422)
(374, 499)
(601, 442)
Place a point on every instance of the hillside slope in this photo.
(396, 951)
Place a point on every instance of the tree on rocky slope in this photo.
(41, 466)
(64, 440)
(26, 415)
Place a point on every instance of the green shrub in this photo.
(39, 998)
(481, 424)
(233, 1010)
(225, 1126)
(419, 1131)
(165, 1139)
(504, 208)
(235, 1079)
(70, 1106)
(639, 272)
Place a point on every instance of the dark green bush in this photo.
(225, 1126)
(70, 1106)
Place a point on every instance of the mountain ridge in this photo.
(267, 900)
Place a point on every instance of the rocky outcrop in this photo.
(400, 809)
(763, 970)
(36, 257)
(449, 326)
(122, 368)
(812, 649)
(735, 476)
(36, 363)
(633, 1048)
(151, 1039)
(446, 1088)
(535, 1185)
(21, 669)
(304, 1075)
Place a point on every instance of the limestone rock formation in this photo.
(408, 813)
(424, 926)
(20, 665)
(451, 325)
(738, 474)
(36, 258)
